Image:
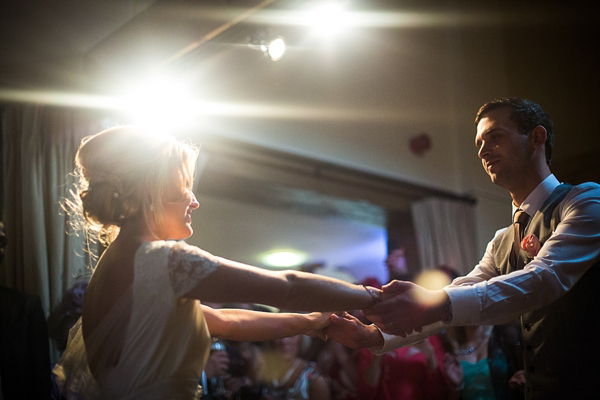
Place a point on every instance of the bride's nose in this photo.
(194, 203)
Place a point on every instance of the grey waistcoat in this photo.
(562, 339)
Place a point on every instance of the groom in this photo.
(550, 284)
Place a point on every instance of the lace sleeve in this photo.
(188, 265)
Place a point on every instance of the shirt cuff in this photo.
(465, 304)
(391, 342)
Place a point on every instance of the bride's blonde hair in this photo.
(124, 172)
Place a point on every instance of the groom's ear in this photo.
(538, 136)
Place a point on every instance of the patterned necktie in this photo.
(519, 224)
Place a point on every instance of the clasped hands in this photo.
(405, 307)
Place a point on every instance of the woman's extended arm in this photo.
(255, 326)
(290, 290)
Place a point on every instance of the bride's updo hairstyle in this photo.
(125, 172)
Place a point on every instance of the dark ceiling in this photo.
(551, 50)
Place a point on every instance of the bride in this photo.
(144, 332)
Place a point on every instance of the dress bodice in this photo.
(166, 342)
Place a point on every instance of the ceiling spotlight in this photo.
(161, 101)
(276, 49)
(272, 46)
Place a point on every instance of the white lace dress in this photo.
(166, 343)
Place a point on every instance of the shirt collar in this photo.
(536, 198)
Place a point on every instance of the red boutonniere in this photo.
(531, 244)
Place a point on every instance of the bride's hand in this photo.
(318, 322)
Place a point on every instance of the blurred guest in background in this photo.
(413, 372)
(397, 266)
(484, 360)
(288, 376)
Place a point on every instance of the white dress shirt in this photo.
(484, 297)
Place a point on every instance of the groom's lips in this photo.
(490, 164)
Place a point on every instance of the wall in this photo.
(403, 82)
(349, 250)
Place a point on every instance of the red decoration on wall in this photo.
(420, 143)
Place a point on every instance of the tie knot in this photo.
(521, 217)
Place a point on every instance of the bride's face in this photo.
(178, 203)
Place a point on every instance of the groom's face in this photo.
(505, 154)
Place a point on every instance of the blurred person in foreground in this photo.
(24, 345)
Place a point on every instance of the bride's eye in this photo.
(175, 193)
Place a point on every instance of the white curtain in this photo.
(445, 231)
(43, 256)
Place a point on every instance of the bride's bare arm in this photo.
(255, 326)
(290, 290)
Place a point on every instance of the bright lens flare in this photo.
(329, 19)
(284, 258)
(432, 280)
(160, 102)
